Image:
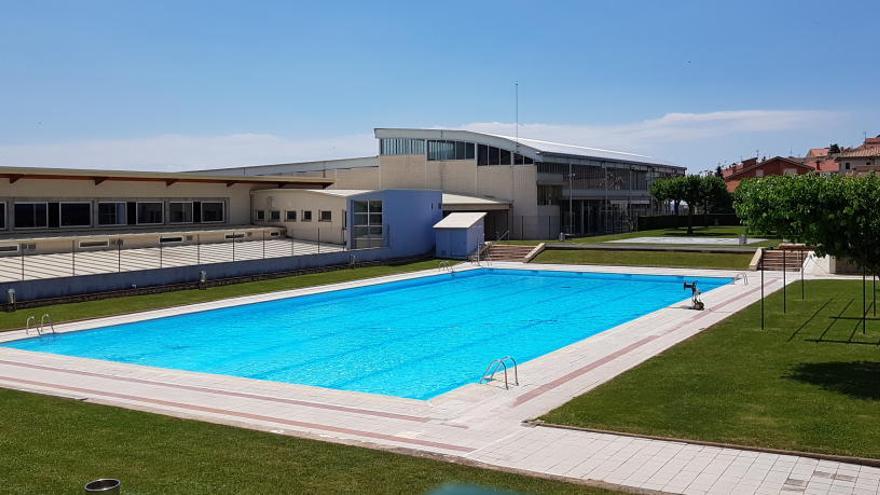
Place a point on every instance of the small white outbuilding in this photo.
(459, 234)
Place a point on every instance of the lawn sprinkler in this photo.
(695, 296)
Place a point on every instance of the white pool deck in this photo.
(476, 423)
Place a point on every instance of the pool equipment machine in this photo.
(695, 296)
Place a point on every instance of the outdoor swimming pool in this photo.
(416, 338)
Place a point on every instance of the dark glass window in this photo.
(275, 215)
(504, 157)
(2, 216)
(469, 151)
(482, 154)
(212, 211)
(493, 155)
(30, 215)
(261, 215)
(180, 212)
(75, 214)
(291, 215)
(149, 213)
(111, 213)
(306, 216)
(325, 216)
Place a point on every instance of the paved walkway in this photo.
(480, 423)
(37, 266)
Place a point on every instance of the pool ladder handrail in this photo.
(43, 320)
(27, 325)
(742, 276)
(40, 329)
(489, 374)
(445, 266)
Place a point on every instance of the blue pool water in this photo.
(416, 338)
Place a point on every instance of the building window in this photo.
(180, 212)
(75, 214)
(149, 213)
(490, 155)
(367, 224)
(291, 215)
(2, 216)
(521, 160)
(211, 211)
(450, 150)
(306, 216)
(401, 146)
(111, 213)
(30, 215)
(275, 215)
(261, 215)
(325, 216)
(846, 165)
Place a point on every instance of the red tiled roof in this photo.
(861, 152)
(824, 164)
(817, 152)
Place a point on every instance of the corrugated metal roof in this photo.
(460, 220)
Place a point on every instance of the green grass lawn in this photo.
(809, 382)
(735, 261)
(699, 231)
(52, 445)
(132, 304)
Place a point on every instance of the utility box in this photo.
(459, 235)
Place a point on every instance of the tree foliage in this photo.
(704, 191)
(837, 215)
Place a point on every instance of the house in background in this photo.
(861, 160)
(778, 165)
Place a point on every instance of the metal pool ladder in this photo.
(41, 328)
(489, 374)
(742, 276)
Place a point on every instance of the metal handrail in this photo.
(27, 325)
(501, 237)
(444, 266)
(493, 366)
(742, 276)
(43, 320)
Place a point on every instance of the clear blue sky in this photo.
(147, 84)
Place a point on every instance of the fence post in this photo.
(118, 255)
(784, 293)
(264, 243)
(161, 251)
(319, 240)
(233, 245)
(292, 246)
(198, 249)
(22, 261)
(73, 257)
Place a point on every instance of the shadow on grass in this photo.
(857, 379)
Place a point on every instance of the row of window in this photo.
(291, 215)
(441, 150)
(401, 146)
(78, 214)
(450, 150)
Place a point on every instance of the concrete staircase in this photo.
(507, 252)
(773, 260)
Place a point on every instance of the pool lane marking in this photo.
(542, 389)
(256, 417)
(243, 395)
